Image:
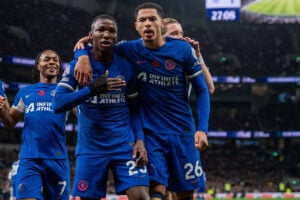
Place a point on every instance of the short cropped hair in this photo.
(104, 16)
(146, 5)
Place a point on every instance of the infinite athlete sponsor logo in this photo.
(108, 98)
(158, 79)
(43, 106)
(163, 80)
(39, 106)
(82, 185)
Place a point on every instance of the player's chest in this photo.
(39, 97)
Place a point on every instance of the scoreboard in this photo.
(223, 10)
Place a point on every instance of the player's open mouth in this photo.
(148, 33)
(106, 44)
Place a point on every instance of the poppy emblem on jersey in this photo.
(170, 64)
(41, 92)
(82, 185)
(155, 63)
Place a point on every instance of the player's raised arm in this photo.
(83, 69)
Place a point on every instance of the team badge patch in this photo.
(82, 185)
(52, 93)
(170, 64)
(22, 188)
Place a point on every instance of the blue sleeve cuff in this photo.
(80, 52)
(140, 135)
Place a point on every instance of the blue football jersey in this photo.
(163, 76)
(104, 119)
(2, 90)
(43, 134)
(12, 177)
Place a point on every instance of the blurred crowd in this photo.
(251, 166)
(247, 165)
(244, 49)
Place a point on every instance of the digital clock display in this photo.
(223, 10)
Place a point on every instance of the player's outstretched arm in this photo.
(83, 70)
(203, 110)
(207, 75)
(66, 99)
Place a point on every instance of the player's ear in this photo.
(38, 67)
(162, 23)
(91, 35)
(136, 26)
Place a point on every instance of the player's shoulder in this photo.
(25, 90)
(69, 68)
(178, 44)
(120, 59)
(28, 87)
(176, 41)
(123, 62)
(127, 43)
(15, 163)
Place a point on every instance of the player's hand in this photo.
(2, 101)
(82, 42)
(201, 140)
(83, 70)
(195, 44)
(104, 84)
(140, 154)
(115, 84)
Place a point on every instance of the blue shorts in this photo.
(174, 161)
(92, 172)
(43, 179)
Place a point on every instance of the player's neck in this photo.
(103, 56)
(49, 80)
(155, 44)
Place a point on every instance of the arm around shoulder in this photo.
(207, 75)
